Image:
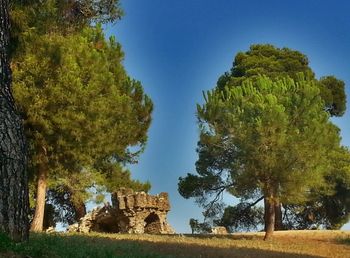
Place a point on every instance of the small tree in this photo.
(194, 225)
(199, 227)
(263, 138)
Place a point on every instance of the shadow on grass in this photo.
(343, 240)
(108, 246)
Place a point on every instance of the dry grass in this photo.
(285, 244)
(313, 243)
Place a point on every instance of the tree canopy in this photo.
(273, 62)
(276, 64)
(268, 138)
(328, 207)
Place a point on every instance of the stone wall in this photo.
(131, 212)
(219, 231)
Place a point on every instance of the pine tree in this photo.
(13, 167)
(263, 138)
(276, 63)
(81, 108)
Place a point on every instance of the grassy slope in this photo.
(284, 244)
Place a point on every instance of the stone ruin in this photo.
(219, 230)
(130, 212)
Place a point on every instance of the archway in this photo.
(107, 225)
(152, 224)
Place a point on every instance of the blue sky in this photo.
(179, 48)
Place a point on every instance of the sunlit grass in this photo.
(284, 244)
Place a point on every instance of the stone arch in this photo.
(111, 224)
(107, 224)
(152, 224)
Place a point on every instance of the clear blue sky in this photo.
(179, 48)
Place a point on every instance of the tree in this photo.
(263, 138)
(34, 23)
(275, 63)
(81, 110)
(194, 225)
(199, 227)
(13, 167)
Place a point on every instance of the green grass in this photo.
(95, 245)
(77, 246)
(344, 240)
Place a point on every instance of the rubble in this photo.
(130, 212)
(219, 231)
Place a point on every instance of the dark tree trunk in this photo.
(265, 213)
(269, 217)
(80, 210)
(13, 168)
(278, 214)
(38, 220)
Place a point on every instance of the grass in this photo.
(285, 244)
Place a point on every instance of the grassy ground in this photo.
(284, 244)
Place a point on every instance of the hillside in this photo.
(285, 243)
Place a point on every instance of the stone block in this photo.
(130, 201)
(140, 200)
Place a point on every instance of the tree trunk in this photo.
(14, 203)
(38, 220)
(269, 217)
(278, 214)
(265, 213)
(80, 210)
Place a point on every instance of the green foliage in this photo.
(199, 227)
(53, 15)
(242, 217)
(83, 113)
(218, 167)
(270, 61)
(333, 93)
(277, 63)
(262, 138)
(78, 102)
(328, 207)
(115, 177)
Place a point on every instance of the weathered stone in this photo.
(219, 231)
(73, 228)
(121, 203)
(140, 200)
(130, 201)
(131, 212)
(50, 230)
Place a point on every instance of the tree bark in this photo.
(38, 220)
(80, 210)
(14, 203)
(269, 217)
(278, 214)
